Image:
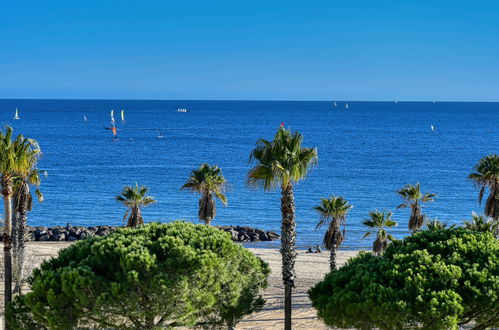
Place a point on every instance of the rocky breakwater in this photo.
(75, 233)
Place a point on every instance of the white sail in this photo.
(432, 128)
(334, 103)
(112, 117)
(122, 115)
(346, 105)
(16, 116)
(84, 118)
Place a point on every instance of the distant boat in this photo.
(182, 110)
(346, 105)
(159, 135)
(85, 118)
(334, 104)
(434, 101)
(16, 116)
(432, 128)
(112, 117)
(123, 116)
(396, 102)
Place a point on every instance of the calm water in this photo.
(365, 154)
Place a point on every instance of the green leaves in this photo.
(435, 279)
(281, 161)
(179, 272)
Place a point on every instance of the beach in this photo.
(310, 269)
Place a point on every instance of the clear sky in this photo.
(261, 50)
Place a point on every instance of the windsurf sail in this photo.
(112, 117)
(16, 116)
(123, 115)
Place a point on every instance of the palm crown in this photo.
(134, 197)
(281, 161)
(486, 175)
(413, 197)
(333, 212)
(207, 179)
(378, 221)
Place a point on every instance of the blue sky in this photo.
(262, 50)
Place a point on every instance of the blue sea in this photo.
(366, 153)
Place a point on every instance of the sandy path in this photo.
(310, 268)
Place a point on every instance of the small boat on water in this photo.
(182, 110)
(16, 116)
(334, 104)
(85, 119)
(432, 128)
(112, 117)
(346, 105)
(159, 135)
(122, 116)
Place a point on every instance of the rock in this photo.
(72, 238)
(85, 234)
(44, 238)
(253, 236)
(243, 238)
(40, 232)
(310, 250)
(58, 237)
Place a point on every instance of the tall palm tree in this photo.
(23, 202)
(283, 162)
(413, 198)
(209, 182)
(134, 198)
(378, 221)
(333, 212)
(13, 158)
(486, 175)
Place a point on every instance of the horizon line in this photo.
(240, 100)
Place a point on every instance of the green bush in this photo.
(435, 279)
(152, 276)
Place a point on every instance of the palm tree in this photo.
(209, 182)
(435, 224)
(23, 202)
(482, 223)
(333, 212)
(281, 163)
(134, 198)
(413, 197)
(13, 159)
(378, 221)
(487, 176)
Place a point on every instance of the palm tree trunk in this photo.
(332, 258)
(288, 238)
(7, 242)
(19, 247)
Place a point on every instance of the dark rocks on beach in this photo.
(74, 233)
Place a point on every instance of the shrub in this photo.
(152, 276)
(434, 279)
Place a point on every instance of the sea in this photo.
(367, 151)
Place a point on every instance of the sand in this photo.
(310, 269)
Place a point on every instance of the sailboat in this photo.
(346, 105)
(84, 118)
(159, 136)
(432, 128)
(396, 102)
(16, 116)
(122, 116)
(112, 117)
(334, 103)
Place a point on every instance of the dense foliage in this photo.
(434, 279)
(151, 276)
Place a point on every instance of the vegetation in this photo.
(209, 182)
(413, 198)
(378, 221)
(482, 223)
(134, 198)
(15, 156)
(27, 174)
(430, 280)
(282, 162)
(486, 175)
(333, 212)
(178, 274)
(434, 224)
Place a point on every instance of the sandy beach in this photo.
(310, 268)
